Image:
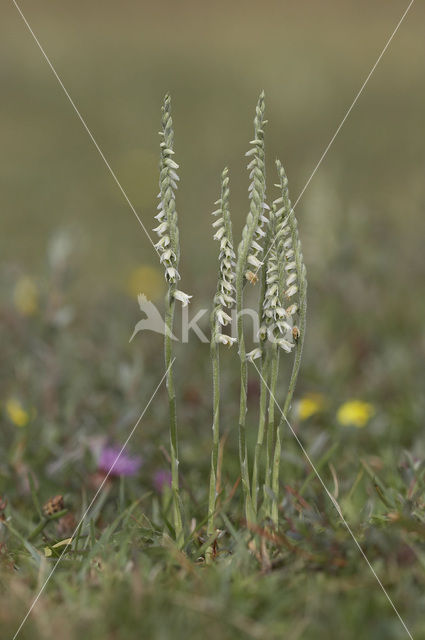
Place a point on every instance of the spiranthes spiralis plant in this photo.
(282, 327)
(168, 248)
(223, 300)
(275, 333)
(289, 323)
(282, 313)
(249, 250)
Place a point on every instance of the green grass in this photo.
(126, 578)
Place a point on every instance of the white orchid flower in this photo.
(227, 340)
(183, 297)
(223, 317)
(254, 354)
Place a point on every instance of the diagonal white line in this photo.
(335, 504)
(34, 602)
(83, 122)
(353, 103)
(341, 124)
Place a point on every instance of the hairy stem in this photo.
(243, 452)
(169, 321)
(271, 429)
(215, 359)
(289, 395)
(261, 428)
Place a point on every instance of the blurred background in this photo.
(361, 218)
(73, 258)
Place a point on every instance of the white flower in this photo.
(227, 340)
(162, 228)
(227, 286)
(223, 317)
(256, 246)
(225, 300)
(168, 255)
(219, 234)
(254, 354)
(291, 291)
(171, 274)
(170, 163)
(164, 242)
(254, 261)
(262, 333)
(282, 326)
(285, 345)
(183, 297)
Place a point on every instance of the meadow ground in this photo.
(74, 258)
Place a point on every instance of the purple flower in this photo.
(114, 464)
(161, 479)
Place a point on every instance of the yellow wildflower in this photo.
(148, 280)
(355, 413)
(309, 405)
(25, 296)
(17, 413)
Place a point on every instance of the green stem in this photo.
(288, 399)
(44, 522)
(216, 441)
(271, 429)
(169, 321)
(295, 371)
(243, 452)
(261, 428)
